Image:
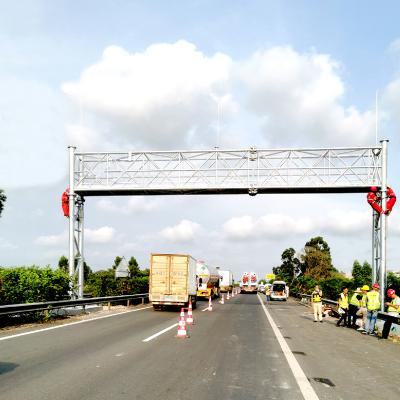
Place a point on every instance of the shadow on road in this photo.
(7, 367)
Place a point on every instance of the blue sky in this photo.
(48, 48)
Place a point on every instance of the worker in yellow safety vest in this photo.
(316, 300)
(393, 309)
(354, 305)
(362, 311)
(373, 306)
(343, 306)
(268, 293)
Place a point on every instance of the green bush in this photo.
(104, 283)
(32, 284)
(332, 287)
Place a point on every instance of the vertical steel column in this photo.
(80, 257)
(71, 258)
(383, 223)
(374, 244)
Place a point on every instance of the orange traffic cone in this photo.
(209, 304)
(182, 333)
(222, 300)
(189, 319)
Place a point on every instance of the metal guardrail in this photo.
(381, 315)
(51, 305)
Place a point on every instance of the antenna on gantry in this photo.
(376, 117)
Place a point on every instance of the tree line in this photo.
(313, 265)
(35, 284)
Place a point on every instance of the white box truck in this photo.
(173, 280)
(225, 281)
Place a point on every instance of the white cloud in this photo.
(346, 223)
(162, 96)
(134, 205)
(391, 100)
(52, 240)
(278, 226)
(297, 96)
(394, 46)
(273, 226)
(5, 244)
(99, 236)
(32, 151)
(185, 231)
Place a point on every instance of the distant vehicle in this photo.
(208, 281)
(172, 280)
(249, 282)
(225, 281)
(279, 290)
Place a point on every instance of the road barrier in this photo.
(51, 305)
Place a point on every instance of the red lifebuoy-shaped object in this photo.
(65, 203)
(391, 200)
(374, 200)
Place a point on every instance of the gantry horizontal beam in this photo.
(247, 171)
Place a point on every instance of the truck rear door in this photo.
(169, 278)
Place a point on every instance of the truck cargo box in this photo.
(172, 280)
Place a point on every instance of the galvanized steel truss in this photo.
(230, 171)
(251, 171)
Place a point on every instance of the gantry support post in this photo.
(382, 277)
(376, 246)
(71, 258)
(79, 254)
(76, 230)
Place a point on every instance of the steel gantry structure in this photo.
(249, 171)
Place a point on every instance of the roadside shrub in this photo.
(32, 284)
(104, 283)
(332, 287)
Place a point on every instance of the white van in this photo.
(279, 291)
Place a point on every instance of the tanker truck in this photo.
(208, 281)
(249, 283)
(173, 280)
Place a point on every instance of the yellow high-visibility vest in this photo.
(364, 301)
(354, 300)
(373, 302)
(394, 301)
(315, 297)
(344, 301)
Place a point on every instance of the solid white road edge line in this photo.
(301, 379)
(159, 333)
(72, 323)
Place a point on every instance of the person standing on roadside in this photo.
(268, 293)
(373, 306)
(316, 300)
(393, 309)
(343, 306)
(354, 306)
(363, 309)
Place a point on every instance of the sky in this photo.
(151, 75)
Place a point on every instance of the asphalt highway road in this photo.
(240, 350)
